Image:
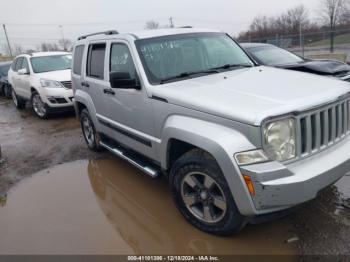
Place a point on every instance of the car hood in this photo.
(253, 94)
(322, 67)
(61, 75)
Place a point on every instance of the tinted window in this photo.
(51, 63)
(19, 63)
(78, 57)
(121, 60)
(95, 66)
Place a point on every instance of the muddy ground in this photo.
(30, 145)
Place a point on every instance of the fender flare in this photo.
(85, 99)
(219, 141)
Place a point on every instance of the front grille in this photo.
(67, 84)
(322, 128)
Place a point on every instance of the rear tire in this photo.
(7, 91)
(92, 138)
(202, 195)
(39, 107)
(17, 101)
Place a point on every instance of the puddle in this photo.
(109, 207)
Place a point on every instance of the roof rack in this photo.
(110, 32)
(186, 26)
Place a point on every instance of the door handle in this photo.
(108, 91)
(85, 84)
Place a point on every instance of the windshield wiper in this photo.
(189, 74)
(229, 66)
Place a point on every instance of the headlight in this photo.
(280, 140)
(50, 83)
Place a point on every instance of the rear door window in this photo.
(19, 63)
(25, 64)
(96, 61)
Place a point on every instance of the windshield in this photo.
(181, 56)
(272, 55)
(51, 63)
(4, 70)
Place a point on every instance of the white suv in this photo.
(44, 79)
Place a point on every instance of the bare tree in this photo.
(152, 25)
(332, 12)
(66, 44)
(45, 47)
(17, 50)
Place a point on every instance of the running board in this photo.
(140, 164)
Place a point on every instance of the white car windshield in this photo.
(51, 63)
(177, 57)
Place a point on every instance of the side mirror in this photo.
(122, 80)
(23, 71)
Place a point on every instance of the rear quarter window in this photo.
(78, 58)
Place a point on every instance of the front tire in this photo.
(91, 137)
(39, 107)
(17, 101)
(202, 195)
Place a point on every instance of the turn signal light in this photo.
(249, 184)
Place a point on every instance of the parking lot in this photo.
(112, 208)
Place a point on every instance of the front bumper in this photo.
(283, 186)
(57, 97)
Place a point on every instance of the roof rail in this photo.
(186, 26)
(110, 32)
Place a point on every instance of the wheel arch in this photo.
(219, 141)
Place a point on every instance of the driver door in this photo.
(129, 110)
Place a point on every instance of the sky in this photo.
(30, 22)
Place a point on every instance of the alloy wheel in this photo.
(14, 98)
(203, 197)
(38, 105)
(88, 131)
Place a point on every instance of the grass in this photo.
(340, 39)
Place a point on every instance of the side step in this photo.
(140, 164)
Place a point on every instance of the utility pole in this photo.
(63, 41)
(171, 22)
(7, 39)
(300, 36)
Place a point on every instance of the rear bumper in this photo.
(284, 186)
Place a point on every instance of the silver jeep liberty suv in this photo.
(236, 141)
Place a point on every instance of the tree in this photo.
(45, 47)
(18, 50)
(152, 25)
(332, 12)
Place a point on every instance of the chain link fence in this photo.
(312, 44)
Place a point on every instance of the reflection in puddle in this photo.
(108, 207)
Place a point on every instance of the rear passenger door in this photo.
(23, 82)
(95, 81)
(15, 77)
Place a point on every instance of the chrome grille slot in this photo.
(321, 128)
(67, 84)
